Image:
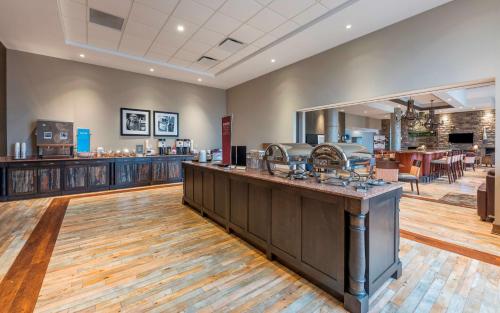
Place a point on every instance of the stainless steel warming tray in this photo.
(289, 159)
(337, 163)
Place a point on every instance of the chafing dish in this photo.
(288, 159)
(341, 163)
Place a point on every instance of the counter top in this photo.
(421, 152)
(309, 184)
(37, 159)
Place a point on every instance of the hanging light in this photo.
(432, 122)
(411, 117)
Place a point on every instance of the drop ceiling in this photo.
(150, 42)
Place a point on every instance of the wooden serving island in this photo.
(345, 241)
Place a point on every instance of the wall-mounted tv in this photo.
(461, 138)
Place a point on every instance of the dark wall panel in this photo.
(3, 100)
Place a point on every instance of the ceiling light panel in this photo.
(193, 12)
(247, 34)
(332, 4)
(119, 8)
(241, 10)
(222, 24)
(73, 10)
(148, 16)
(290, 8)
(213, 4)
(165, 6)
(310, 14)
(266, 20)
(208, 37)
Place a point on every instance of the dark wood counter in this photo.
(33, 177)
(345, 241)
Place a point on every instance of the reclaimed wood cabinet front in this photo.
(124, 174)
(22, 180)
(142, 173)
(98, 175)
(175, 170)
(75, 177)
(159, 171)
(50, 178)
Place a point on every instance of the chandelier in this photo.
(432, 122)
(411, 117)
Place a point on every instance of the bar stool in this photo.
(443, 166)
(470, 161)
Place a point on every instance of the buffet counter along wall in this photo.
(33, 178)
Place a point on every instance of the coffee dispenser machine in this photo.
(184, 146)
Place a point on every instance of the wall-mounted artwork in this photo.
(135, 122)
(166, 124)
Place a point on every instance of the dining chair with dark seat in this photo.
(413, 176)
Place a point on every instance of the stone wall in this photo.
(460, 122)
(468, 122)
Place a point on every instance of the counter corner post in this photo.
(356, 298)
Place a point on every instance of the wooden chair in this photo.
(470, 161)
(413, 176)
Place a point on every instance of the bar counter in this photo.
(407, 157)
(346, 242)
(34, 177)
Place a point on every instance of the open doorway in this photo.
(439, 143)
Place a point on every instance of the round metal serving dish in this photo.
(287, 158)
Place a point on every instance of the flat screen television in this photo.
(461, 138)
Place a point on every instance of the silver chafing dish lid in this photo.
(288, 152)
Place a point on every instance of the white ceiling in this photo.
(460, 100)
(284, 30)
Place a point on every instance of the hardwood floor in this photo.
(144, 251)
(467, 184)
(20, 286)
(449, 223)
(17, 221)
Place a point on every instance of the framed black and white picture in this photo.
(165, 124)
(135, 122)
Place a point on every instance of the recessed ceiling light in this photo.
(151, 69)
(273, 60)
(82, 55)
(348, 26)
(200, 80)
(449, 99)
(180, 28)
(342, 110)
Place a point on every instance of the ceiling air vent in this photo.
(207, 61)
(231, 45)
(105, 19)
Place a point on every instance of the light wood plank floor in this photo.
(144, 251)
(468, 184)
(453, 224)
(17, 221)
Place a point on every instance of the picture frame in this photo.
(165, 124)
(135, 122)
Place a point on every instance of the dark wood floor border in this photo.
(437, 201)
(21, 285)
(443, 245)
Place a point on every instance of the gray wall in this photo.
(40, 87)
(454, 43)
(3, 99)
(457, 42)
